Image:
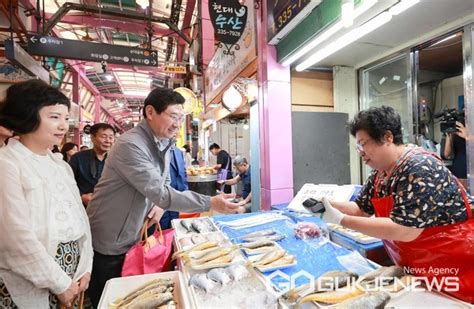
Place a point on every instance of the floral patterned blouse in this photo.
(425, 192)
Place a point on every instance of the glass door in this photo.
(389, 83)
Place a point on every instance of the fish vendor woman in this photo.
(422, 212)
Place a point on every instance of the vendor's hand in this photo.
(220, 203)
(461, 130)
(155, 215)
(86, 198)
(331, 214)
(67, 297)
(221, 182)
(84, 282)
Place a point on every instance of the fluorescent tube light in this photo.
(326, 34)
(345, 40)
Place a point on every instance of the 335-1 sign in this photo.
(284, 17)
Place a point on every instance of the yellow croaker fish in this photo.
(332, 297)
(210, 256)
(149, 300)
(285, 260)
(326, 282)
(160, 285)
(219, 262)
(269, 257)
(202, 246)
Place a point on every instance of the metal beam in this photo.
(122, 25)
(68, 6)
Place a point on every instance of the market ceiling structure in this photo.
(167, 28)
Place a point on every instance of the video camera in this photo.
(449, 117)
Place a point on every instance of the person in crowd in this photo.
(88, 165)
(243, 169)
(187, 155)
(55, 149)
(84, 147)
(223, 166)
(68, 150)
(45, 241)
(135, 185)
(422, 213)
(455, 147)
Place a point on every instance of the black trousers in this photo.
(104, 267)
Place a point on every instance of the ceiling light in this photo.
(347, 13)
(232, 98)
(396, 77)
(109, 77)
(136, 93)
(345, 40)
(382, 80)
(246, 126)
(327, 33)
(445, 39)
(142, 3)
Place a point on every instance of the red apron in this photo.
(437, 248)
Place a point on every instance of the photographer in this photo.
(456, 147)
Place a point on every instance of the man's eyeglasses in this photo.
(176, 118)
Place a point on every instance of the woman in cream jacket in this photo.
(45, 240)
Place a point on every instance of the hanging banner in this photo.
(229, 19)
(224, 67)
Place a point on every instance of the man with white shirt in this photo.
(134, 179)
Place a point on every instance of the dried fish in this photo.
(219, 262)
(159, 285)
(150, 301)
(285, 260)
(201, 282)
(219, 275)
(258, 244)
(238, 272)
(327, 281)
(386, 273)
(209, 256)
(205, 245)
(332, 297)
(371, 300)
(187, 225)
(275, 237)
(261, 250)
(270, 257)
(199, 226)
(258, 234)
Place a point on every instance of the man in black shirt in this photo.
(87, 165)
(224, 163)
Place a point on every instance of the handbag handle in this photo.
(144, 232)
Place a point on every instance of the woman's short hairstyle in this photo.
(66, 147)
(376, 121)
(20, 109)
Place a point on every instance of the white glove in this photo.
(331, 214)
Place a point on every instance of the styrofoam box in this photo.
(119, 287)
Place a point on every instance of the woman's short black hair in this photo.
(20, 109)
(187, 148)
(161, 98)
(66, 147)
(376, 121)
